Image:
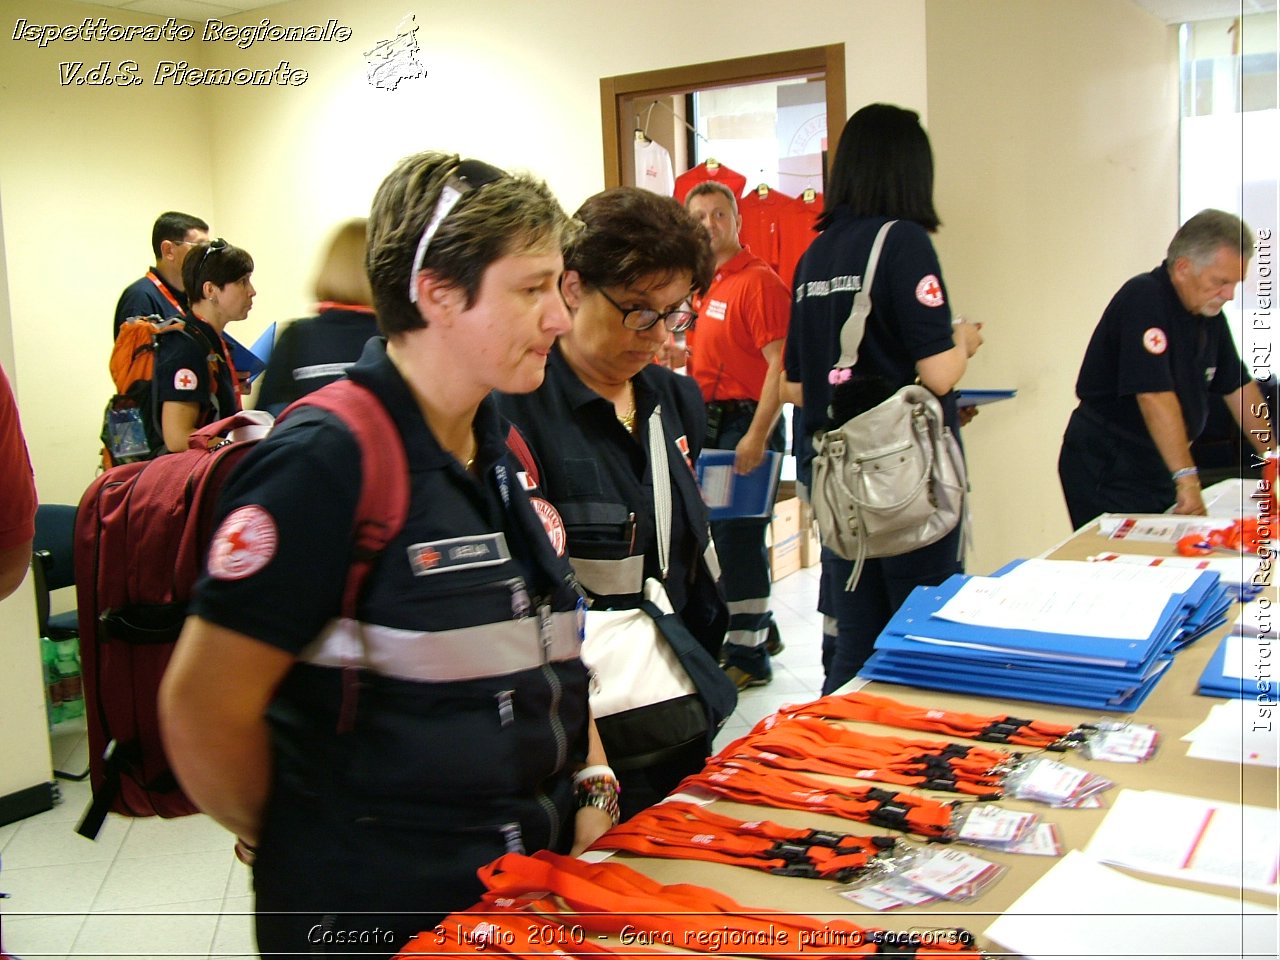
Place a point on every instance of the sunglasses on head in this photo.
(470, 175)
(214, 247)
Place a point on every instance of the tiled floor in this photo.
(173, 888)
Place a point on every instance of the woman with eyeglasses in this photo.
(629, 276)
(371, 760)
(195, 380)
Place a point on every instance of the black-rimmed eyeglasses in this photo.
(675, 320)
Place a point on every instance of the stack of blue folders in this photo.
(1240, 662)
(1093, 669)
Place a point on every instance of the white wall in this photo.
(1055, 135)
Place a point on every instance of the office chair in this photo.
(52, 567)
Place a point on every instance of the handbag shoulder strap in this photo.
(854, 327)
(658, 475)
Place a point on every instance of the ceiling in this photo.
(1170, 11)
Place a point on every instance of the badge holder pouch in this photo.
(1041, 780)
(919, 875)
(1006, 831)
(1120, 741)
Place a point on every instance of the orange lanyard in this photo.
(612, 898)
(749, 781)
(808, 744)
(686, 831)
(165, 292)
(1000, 728)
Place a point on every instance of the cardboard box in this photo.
(810, 547)
(784, 538)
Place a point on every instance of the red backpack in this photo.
(142, 531)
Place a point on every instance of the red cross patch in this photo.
(929, 291)
(551, 522)
(184, 379)
(424, 558)
(1155, 340)
(244, 544)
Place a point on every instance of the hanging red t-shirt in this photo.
(778, 229)
(719, 173)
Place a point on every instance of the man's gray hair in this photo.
(712, 186)
(1201, 237)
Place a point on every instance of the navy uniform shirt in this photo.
(598, 478)
(910, 317)
(143, 298)
(313, 352)
(450, 732)
(182, 371)
(1147, 342)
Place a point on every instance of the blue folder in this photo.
(1215, 682)
(876, 669)
(915, 619)
(748, 495)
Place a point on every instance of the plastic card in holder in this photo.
(1120, 742)
(986, 825)
(953, 874)
(1042, 841)
(1057, 784)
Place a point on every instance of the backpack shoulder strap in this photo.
(517, 444)
(384, 475)
(854, 327)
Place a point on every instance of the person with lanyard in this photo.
(195, 377)
(883, 171)
(370, 763)
(1161, 349)
(629, 276)
(161, 291)
(314, 351)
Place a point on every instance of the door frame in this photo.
(810, 62)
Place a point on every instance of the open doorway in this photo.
(663, 105)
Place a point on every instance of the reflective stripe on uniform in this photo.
(468, 653)
(610, 578)
(712, 559)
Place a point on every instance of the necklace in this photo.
(628, 419)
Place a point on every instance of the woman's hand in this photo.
(588, 826)
(748, 454)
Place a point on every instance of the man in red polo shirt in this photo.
(736, 357)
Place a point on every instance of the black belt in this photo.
(733, 406)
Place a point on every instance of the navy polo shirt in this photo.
(143, 298)
(910, 316)
(313, 352)
(598, 477)
(182, 371)
(1148, 342)
(306, 476)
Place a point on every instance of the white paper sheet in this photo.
(1081, 909)
(1104, 609)
(1153, 529)
(1239, 569)
(1190, 838)
(1236, 732)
